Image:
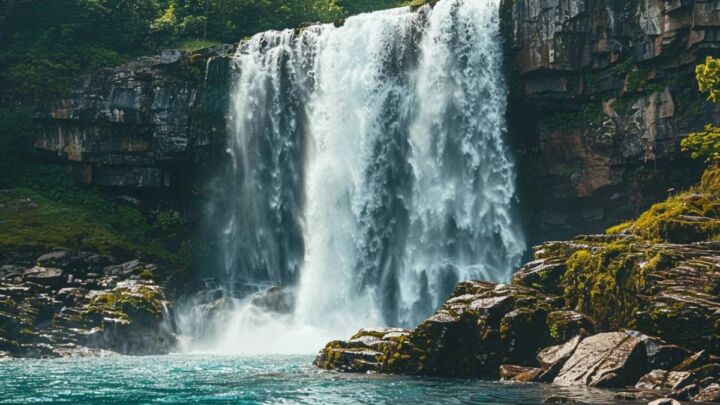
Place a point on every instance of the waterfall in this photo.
(369, 172)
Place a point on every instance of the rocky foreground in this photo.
(67, 303)
(636, 308)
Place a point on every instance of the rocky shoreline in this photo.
(636, 308)
(66, 304)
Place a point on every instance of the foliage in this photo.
(47, 210)
(44, 45)
(708, 78)
(706, 144)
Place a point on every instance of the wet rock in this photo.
(51, 312)
(276, 299)
(664, 401)
(709, 394)
(685, 393)
(664, 380)
(134, 320)
(482, 326)
(553, 355)
(45, 276)
(637, 395)
(553, 358)
(557, 399)
(606, 360)
(541, 274)
(10, 271)
(518, 373)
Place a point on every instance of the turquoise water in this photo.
(244, 380)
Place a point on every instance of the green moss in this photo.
(128, 303)
(691, 216)
(604, 284)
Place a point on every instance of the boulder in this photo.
(664, 380)
(553, 355)
(59, 259)
(482, 326)
(664, 401)
(518, 373)
(709, 394)
(553, 358)
(45, 276)
(10, 271)
(606, 360)
(276, 299)
(693, 362)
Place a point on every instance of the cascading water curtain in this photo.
(370, 164)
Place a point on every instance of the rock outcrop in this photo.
(84, 306)
(142, 125)
(603, 92)
(605, 360)
(623, 309)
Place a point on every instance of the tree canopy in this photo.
(44, 44)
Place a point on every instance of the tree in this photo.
(706, 144)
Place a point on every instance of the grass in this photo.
(47, 210)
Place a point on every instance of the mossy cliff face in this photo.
(602, 92)
(646, 300)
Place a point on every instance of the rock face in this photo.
(622, 309)
(606, 360)
(603, 92)
(84, 307)
(481, 327)
(143, 124)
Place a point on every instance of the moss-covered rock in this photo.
(633, 277)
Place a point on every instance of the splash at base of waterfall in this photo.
(367, 170)
(239, 326)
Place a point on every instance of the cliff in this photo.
(603, 92)
(144, 125)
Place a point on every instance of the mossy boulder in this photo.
(134, 319)
(482, 326)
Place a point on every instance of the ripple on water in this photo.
(245, 380)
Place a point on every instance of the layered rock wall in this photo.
(143, 125)
(603, 92)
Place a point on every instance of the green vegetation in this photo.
(44, 45)
(706, 144)
(128, 303)
(64, 215)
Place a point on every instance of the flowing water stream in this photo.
(369, 174)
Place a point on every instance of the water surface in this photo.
(245, 380)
